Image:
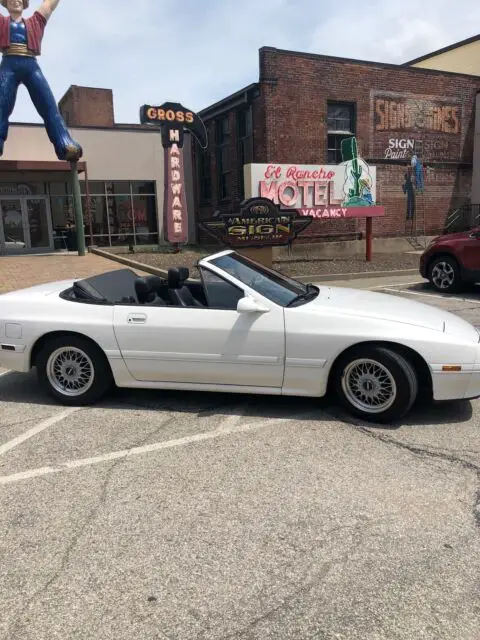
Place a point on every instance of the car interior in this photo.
(124, 286)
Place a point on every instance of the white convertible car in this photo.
(242, 328)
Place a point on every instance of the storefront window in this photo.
(98, 240)
(143, 188)
(98, 212)
(62, 211)
(95, 188)
(145, 218)
(118, 188)
(22, 189)
(59, 188)
(122, 213)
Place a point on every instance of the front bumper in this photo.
(457, 385)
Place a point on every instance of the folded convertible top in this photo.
(108, 288)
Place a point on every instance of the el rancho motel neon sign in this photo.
(317, 191)
(309, 191)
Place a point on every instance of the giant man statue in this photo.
(20, 43)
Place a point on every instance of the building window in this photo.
(340, 125)
(122, 213)
(245, 143)
(224, 157)
(204, 175)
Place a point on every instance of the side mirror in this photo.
(248, 305)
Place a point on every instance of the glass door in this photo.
(39, 224)
(12, 225)
(25, 225)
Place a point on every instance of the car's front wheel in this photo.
(73, 370)
(375, 383)
(444, 274)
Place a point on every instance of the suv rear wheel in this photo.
(444, 274)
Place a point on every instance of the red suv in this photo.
(452, 260)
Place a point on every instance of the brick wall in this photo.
(295, 89)
(290, 126)
(87, 107)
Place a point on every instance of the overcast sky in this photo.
(150, 51)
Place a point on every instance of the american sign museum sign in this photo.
(322, 192)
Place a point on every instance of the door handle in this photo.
(136, 318)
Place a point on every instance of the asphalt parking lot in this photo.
(185, 516)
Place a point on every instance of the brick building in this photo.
(304, 105)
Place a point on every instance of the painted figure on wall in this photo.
(419, 173)
(409, 191)
(20, 43)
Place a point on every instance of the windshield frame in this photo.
(277, 287)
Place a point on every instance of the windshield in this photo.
(269, 283)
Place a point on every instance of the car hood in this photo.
(392, 308)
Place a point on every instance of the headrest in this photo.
(184, 273)
(146, 286)
(142, 289)
(174, 280)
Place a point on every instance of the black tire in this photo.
(87, 358)
(452, 281)
(402, 393)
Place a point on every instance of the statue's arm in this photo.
(48, 7)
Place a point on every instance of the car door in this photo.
(213, 345)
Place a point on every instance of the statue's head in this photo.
(15, 6)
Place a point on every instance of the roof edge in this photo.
(380, 65)
(223, 103)
(450, 47)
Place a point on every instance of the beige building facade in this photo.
(462, 57)
(122, 184)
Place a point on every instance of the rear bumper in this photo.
(423, 265)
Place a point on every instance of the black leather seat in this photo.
(178, 290)
(146, 287)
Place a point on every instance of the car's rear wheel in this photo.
(73, 370)
(375, 383)
(444, 274)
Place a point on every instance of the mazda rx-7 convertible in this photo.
(241, 328)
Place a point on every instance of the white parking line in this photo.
(4, 373)
(159, 446)
(400, 284)
(431, 295)
(38, 428)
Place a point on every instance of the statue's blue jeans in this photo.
(16, 70)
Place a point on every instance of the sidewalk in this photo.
(19, 272)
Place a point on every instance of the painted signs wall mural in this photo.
(404, 124)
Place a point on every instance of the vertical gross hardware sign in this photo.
(173, 119)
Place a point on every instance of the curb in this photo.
(357, 276)
(155, 271)
(314, 278)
